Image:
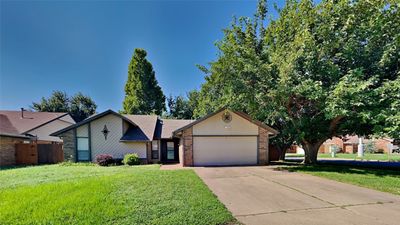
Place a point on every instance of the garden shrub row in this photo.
(108, 160)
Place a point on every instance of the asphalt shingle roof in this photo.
(11, 122)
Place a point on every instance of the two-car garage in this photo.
(224, 138)
(224, 150)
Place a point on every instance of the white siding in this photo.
(82, 131)
(112, 145)
(216, 126)
(209, 151)
(43, 132)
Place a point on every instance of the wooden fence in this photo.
(32, 154)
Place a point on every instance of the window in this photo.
(154, 150)
(170, 151)
(83, 148)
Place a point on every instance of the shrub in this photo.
(370, 147)
(335, 149)
(380, 151)
(131, 159)
(104, 159)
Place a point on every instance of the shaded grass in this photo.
(381, 180)
(107, 195)
(367, 156)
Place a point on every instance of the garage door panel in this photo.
(226, 150)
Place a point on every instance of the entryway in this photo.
(169, 150)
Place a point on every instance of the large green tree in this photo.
(79, 106)
(143, 95)
(180, 107)
(315, 72)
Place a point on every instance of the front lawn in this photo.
(82, 194)
(381, 180)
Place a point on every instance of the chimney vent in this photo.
(22, 112)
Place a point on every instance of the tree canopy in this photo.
(180, 107)
(317, 71)
(143, 95)
(79, 106)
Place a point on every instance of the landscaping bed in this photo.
(89, 194)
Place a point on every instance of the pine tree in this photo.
(143, 95)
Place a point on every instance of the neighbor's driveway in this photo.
(261, 195)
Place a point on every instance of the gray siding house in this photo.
(221, 138)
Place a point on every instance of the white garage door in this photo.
(213, 151)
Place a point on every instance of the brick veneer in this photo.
(148, 152)
(188, 147)
(69, 145)
(7, 150)
(262, 146)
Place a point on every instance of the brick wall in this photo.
(69, 145)
(188, 147)
(382, 144)
(148, 152)
(7, 150)
(262, 146)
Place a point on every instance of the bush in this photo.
(131, 159)
(335, 149)
(370, 147)
(104, 159)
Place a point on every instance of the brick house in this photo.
(349, 144)
(221, 138)
(27, 127)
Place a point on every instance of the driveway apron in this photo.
(263, 195)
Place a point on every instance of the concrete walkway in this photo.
(262, 195)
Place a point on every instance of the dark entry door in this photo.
(169, 151)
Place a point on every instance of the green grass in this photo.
(380, 157)
(65, 194)
(381, 180)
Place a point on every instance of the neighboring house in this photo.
(26, 127)
(349, 144)
(221, 138)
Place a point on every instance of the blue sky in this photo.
(86, 46)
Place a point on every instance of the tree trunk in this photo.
(311, 152)
(282, 151)
(282, 154)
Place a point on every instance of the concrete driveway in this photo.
(262, 195)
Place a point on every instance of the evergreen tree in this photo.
(143, 95)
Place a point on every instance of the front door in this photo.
(169, 151)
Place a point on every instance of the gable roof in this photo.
(91, 118)
(168, 126)
(241, 114)
(144, 130)
(11, 122)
